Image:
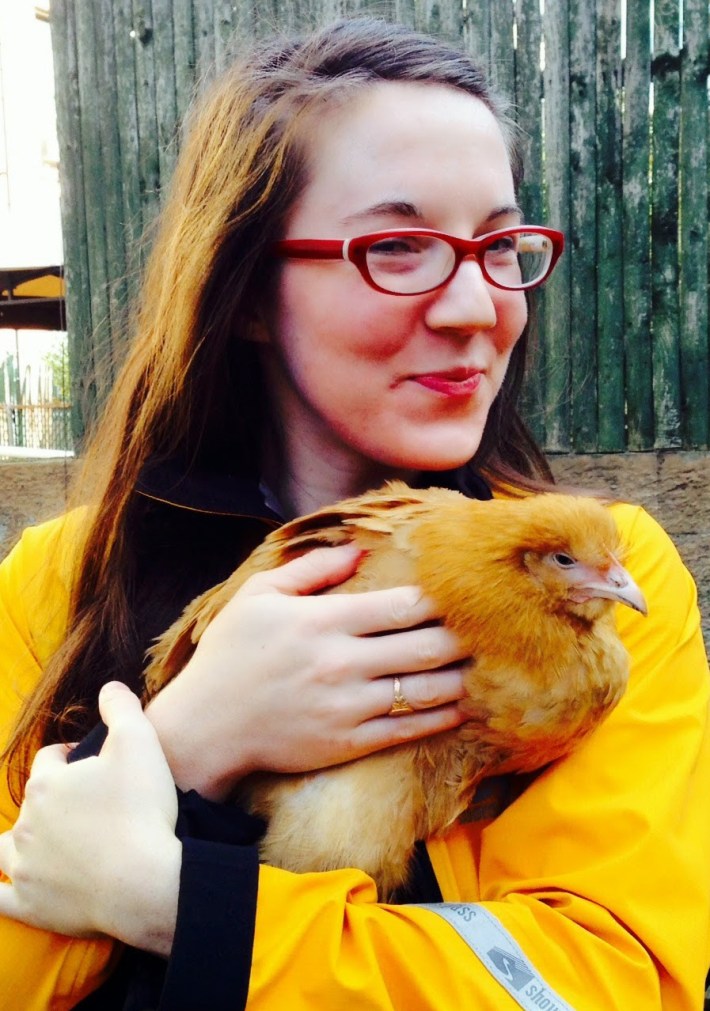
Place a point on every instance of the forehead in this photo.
(427, 144)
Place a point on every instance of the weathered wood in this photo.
(623, 359)
(528, 115)
(636, 153)
(89, 72)
(693, 226)
(108, 98)
(149, 149)
(501, 47)
(477, 33)
(610, 308)
(557, 297)
(582, 236)
(126, 116)
(164, 77)
(664, 272)
(78, 294)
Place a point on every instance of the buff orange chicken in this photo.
(528, 584)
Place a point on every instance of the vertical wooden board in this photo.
(610, 297)
(164, 73)
(224, 28)
(443, 18)
(694, 334)
(126, 115)
(557, 330)
(665, 303)
(148, 145)
(89, 67)
(73, 210)
(108, 99)
(203, 12)
(184, 55)
(582, 237)
(502, 47)
(528, 116)
(636, 194)
(406, 12)
(477, 32)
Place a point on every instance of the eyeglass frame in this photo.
(354, 250)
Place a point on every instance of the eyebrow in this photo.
(405, 209)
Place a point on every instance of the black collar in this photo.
(171, 482)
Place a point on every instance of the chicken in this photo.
(527, 584)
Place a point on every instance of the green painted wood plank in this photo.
(477, 33)
(126, 116)
(582, 237)
(528, 115)
(557, 332)
(148, 149)
(164, 75)
(636, 194)
(694, 278)
(109, 99)
(184, 54)
(664, 228)
(610, 291)
(73, 212)
(502, 48)
(89, 71)
(224, 33)
(203, 14)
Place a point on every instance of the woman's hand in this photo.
(286, 681)
(94, 850)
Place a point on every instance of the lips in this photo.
(460, 382)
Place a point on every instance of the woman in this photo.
(265, 381)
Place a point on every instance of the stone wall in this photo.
(674, 487)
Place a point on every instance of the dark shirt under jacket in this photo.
(194, 530)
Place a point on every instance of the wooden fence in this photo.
(612, 100)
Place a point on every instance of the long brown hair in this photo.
(190, 386)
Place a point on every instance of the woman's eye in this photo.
(506, 244)
(395, 246)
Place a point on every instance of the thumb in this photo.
(129, 730)
(316, 570)
(118, 703)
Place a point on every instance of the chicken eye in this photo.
(565, 561)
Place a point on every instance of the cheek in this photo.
(512, 315)
(332, 316)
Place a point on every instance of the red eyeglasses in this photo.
(414, 261)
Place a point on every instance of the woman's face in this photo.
(368, 381)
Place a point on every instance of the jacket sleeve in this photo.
(39, 971)
(591, 890)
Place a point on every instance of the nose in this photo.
(465, 303)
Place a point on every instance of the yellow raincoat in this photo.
(590, 891)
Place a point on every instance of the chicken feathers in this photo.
(527, 584)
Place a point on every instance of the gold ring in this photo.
(400, 706)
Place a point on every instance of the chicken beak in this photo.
(616, 584)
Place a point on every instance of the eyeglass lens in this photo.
(415, 263)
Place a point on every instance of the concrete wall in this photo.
(674, 487)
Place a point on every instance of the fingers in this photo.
(419, 649)
(422, 691)
(386, 731)
(9, 905)
(7, 852)
(361, 613)
(313, 571)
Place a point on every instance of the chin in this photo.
(434, 458)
